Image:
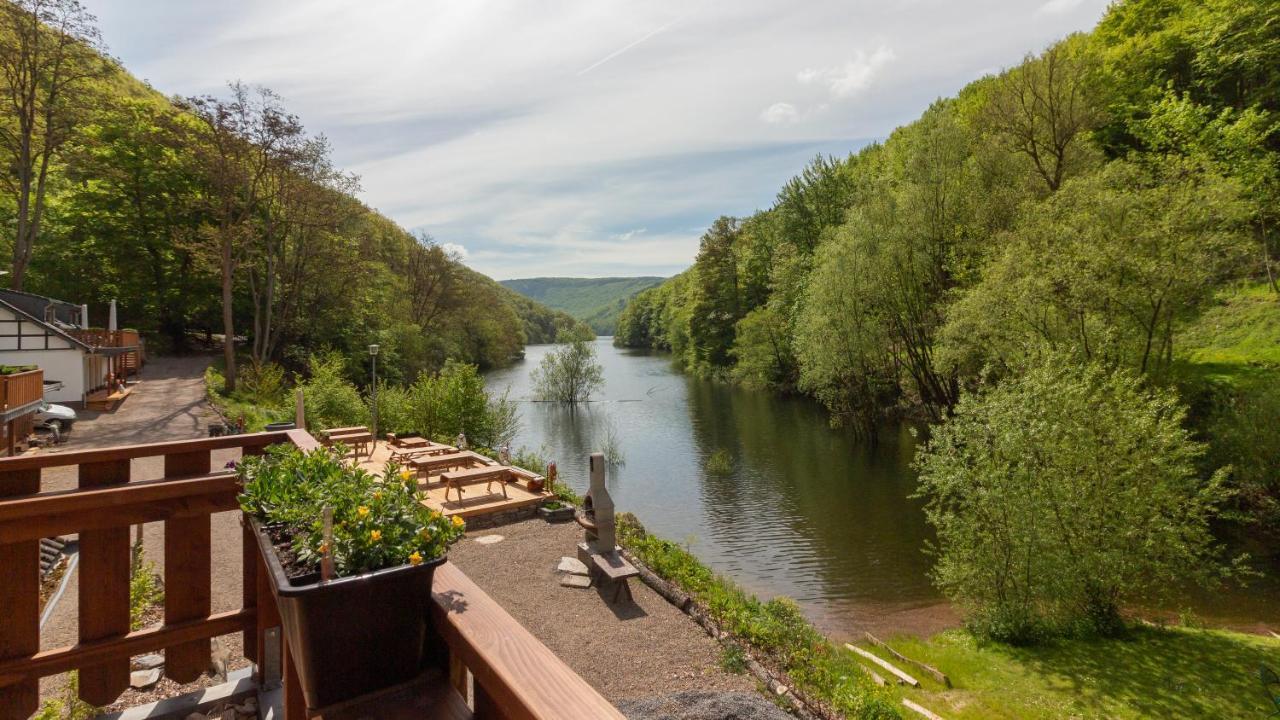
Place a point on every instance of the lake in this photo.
(805, 510)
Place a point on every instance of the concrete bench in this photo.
(487, 474)
(610, 569)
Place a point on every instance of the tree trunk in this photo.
(228, 316)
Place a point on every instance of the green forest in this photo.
(1108, 202)
(220, 215)
(596, 301)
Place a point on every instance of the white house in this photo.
(52, 334)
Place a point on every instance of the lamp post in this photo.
(373, 352)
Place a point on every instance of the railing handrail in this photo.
(513, 670)
(21, 388)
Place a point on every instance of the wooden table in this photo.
(413, 441)
(358, 440)
(425, 465)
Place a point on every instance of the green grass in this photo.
(1154, 673)
(256, 417)
(775, 630)
(1237, 340)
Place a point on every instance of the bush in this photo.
(329, 399)
(1063, 494)
(569, 374)
(376, 524)
(1241, 430)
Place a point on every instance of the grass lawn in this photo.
(1237, 339)
(1155, 673)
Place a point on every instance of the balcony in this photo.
(494, 667)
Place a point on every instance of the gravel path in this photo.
(167, 404)
(644, 650)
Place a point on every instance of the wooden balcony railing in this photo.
(21, 389)
(509, 672)
(98, 337)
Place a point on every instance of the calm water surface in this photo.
(807, 511)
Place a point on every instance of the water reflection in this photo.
(806, 511)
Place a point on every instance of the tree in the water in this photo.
(570, 373)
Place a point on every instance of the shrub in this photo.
(376, 524)
(719, 462)
(330, 400)
(1061, 495)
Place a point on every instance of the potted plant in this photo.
(364, 627)
(556, 511)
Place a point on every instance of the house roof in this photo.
(48, 327)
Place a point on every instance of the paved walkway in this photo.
(167, 404)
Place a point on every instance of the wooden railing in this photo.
(509, 672)
(98, 337)
(21, 388)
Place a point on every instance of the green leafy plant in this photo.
(377, 522)
(146, 589)
(719, 462)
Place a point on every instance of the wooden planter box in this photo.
(564, 513)
(354, 635)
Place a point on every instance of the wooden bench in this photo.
(610, 569)
(360, 442)
(433, 463)
(343, 430)
(487, 474)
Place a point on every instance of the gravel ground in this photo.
(695, 705)
(628, 652)
(168, 404)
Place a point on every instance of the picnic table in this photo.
(489, 474)
(428, 464)
(359, 440)
(343, 430)
(417, 450)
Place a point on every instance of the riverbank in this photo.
(1152, 672)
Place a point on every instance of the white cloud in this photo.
(1059, 7)
(853, 76)
(455, 250)
(538, 135)
(780, 113)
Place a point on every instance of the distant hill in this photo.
(595, 301)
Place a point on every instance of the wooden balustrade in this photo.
(511, 675)
(21, 389)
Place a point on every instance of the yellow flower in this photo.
(362, 511)
(415, 558)
(377, 494)
(375, 535)
(406, 476)
(457, 521)
(425, 533)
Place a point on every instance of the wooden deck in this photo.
(475, 501)
(106, 401)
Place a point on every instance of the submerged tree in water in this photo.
(569, 374)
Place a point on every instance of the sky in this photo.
(592, 138)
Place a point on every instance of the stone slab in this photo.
(147, 662)
(570, 565)
(576, 581)
(144, 679)
(489, 539)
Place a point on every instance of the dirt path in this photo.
(167, 404)
(646, 649)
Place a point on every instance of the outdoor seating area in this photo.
(456, 482)
(483, 663)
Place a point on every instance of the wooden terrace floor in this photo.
(475, 501)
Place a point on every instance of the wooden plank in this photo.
(926, 713)
(929, 669)
(519, 673)
(429, 698)
(249, 588)
(20, 600)
(129, 452)
(104, 590)
(902, 676)
(70, 511)
(187, 551)
(295, 705)
(60, 660)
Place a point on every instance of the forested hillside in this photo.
(1093, 202)
(595, 301)
(205, 215)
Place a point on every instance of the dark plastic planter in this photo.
(560, 514)
(354, 635)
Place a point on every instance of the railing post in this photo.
(20, 600)
(104, 590)
(187, 577)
